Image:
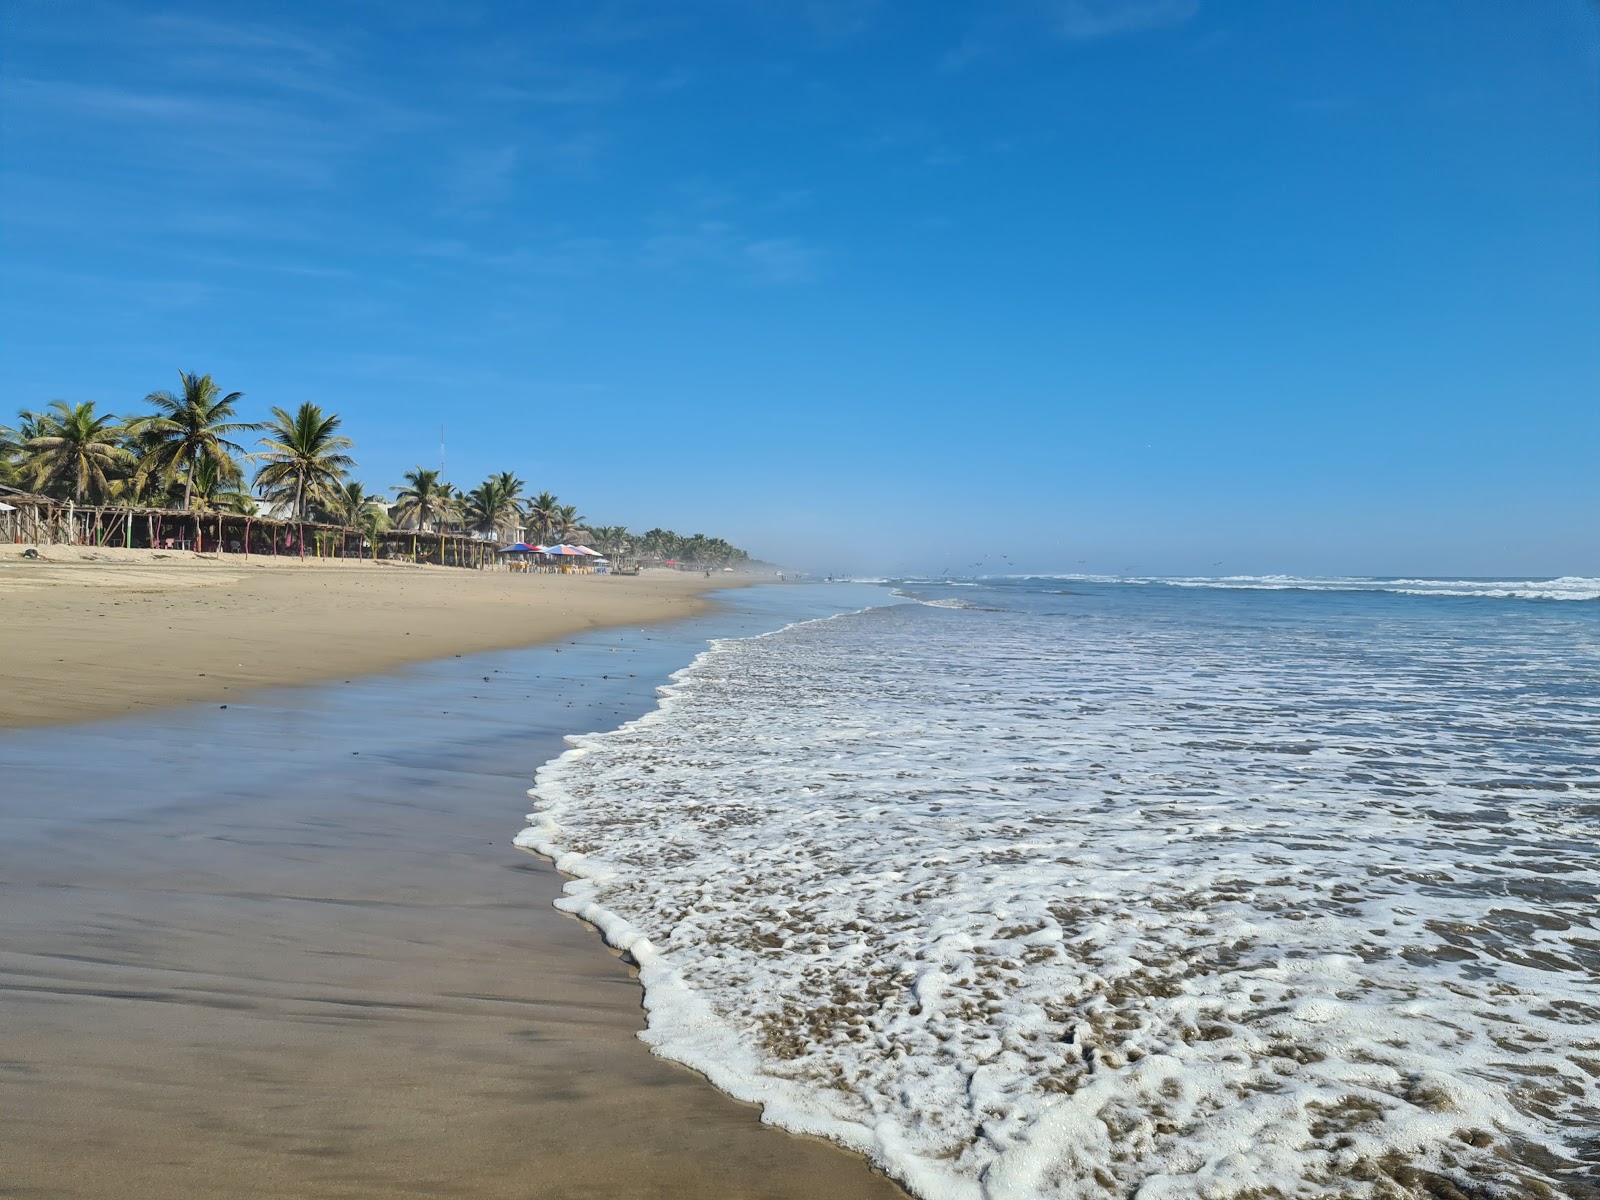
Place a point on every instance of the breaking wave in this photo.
(1566, 587)
(1024, 910)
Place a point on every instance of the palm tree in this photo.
(188, 430)
(660, 544)
(452, 508)
(348, 504)
(512, 487)
(10, 454)
(492, 504)
(73, 449)
(218, 490)
(542, 510)
(373, 523)
(424, 499)
(304, 459)
(567, 522)
(611, 540)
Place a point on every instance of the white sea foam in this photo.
(1567, 587)
(1113, 910)
(941, 602)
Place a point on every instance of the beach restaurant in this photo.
(559, 559)
(30, 519)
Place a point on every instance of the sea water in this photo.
(1169, 889)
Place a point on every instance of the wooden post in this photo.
(302, 539)
(247, 537)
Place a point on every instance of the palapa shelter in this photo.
(31, 519)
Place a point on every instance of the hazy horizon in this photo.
(1119, 286)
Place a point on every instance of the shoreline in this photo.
(92, 634)
(298, 954)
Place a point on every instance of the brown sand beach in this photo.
(286, 949)
(97, 633)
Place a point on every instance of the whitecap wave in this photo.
(1566, 587)
(1168, 912)
(938, 602)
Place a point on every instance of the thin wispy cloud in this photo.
(226, 101)
(480, 178)
(723, 248)
(188, 133)
(543, 85)
(1085, 20)
(841, 18)
(555, 255)
(782, 260)
(252, 39)
(271, 267)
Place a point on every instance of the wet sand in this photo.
(287, 949)
(101, 633)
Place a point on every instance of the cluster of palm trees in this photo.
(663, 546)
(496, 507)
(182, 454)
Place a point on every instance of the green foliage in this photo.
(567, 523)
(697, 550)
(219, 487)
(187, 432)
(10, 455)
(613, 541)
(543, 511)
(75, 453)
(349, 504)
(304, 459)
(180, 455)
(424, 500)
(492, 507)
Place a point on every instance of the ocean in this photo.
(1071, 887)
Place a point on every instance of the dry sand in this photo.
(90, 633)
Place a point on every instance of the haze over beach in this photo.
(1028, 572)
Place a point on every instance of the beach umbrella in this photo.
(520, 548)
(586, 550)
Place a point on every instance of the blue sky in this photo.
(1165, 285)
